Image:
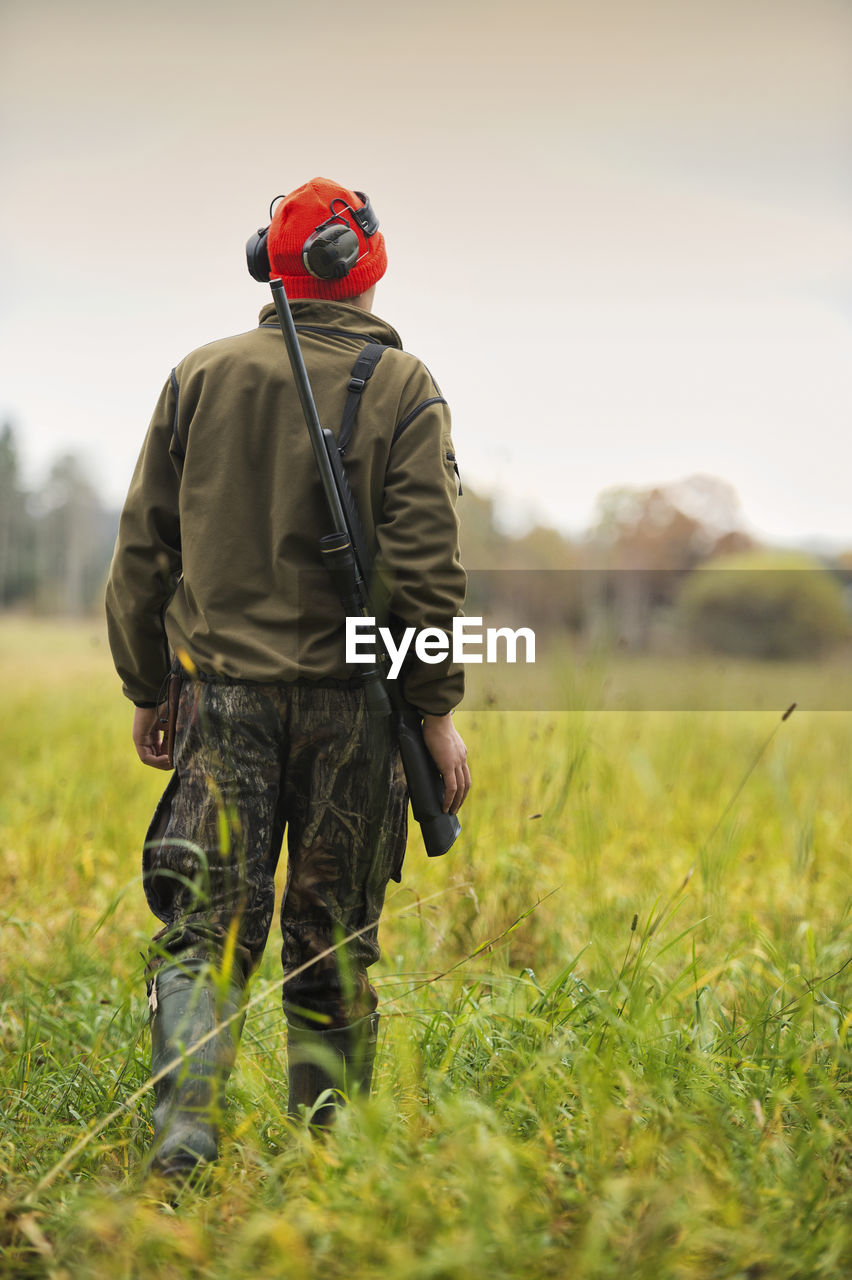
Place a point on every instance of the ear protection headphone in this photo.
(332, 249)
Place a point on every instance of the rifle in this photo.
(344, 552)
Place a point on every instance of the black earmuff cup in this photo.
(330, 254)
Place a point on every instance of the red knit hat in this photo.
(296, 217)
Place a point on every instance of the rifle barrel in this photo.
(306, 398)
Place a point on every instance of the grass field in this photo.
(616, 1022)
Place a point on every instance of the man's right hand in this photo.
(148, 738)
(446, 747)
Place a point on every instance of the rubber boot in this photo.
(186, 1007)
(340, 1058)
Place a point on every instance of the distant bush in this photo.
(765, 605)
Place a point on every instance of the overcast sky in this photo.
(619, 231)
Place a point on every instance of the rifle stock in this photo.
(345, 553)
(439, 830)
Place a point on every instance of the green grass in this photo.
(615, 1035)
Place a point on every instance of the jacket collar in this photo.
(322, 314)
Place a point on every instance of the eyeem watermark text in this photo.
(431, 644)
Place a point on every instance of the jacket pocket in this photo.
(450, 457)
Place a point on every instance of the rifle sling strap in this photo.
(362, 371)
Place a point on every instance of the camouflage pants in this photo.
(250, 761)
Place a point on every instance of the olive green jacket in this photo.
(217, 552)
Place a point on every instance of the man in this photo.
(217, 562)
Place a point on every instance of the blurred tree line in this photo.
(639, 578)
(55, 541)
(661, 568)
